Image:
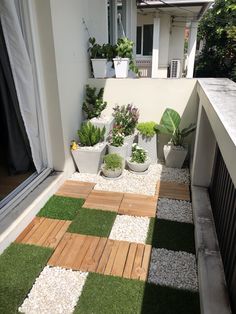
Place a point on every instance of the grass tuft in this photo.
(93, 222)
(60, 207)
(171, 235)
(20, 264)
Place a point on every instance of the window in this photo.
(144, 40)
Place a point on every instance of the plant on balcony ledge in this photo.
(176, 151)
(88, 155)
(147, 138)
(113, 166)
(139, 160)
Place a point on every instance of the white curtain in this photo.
(23, 76)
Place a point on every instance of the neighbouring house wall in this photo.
(176, 48)
(66, 37)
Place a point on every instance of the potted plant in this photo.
(175, 151)
(126, 117)
(113, 166)
(139, 160)
(93, 107)
(124, 59)
(147, 138)
(116, 143)
(98, 59)
(88, 155)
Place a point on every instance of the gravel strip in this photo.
(133, 183)
(130, 228)
(174, 210)
(56, 291)
(174, 269)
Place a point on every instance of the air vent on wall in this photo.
(175, 68)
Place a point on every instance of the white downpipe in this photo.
(156, 47)
(192, 43)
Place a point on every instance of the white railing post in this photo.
(192, 43)
(156, 46)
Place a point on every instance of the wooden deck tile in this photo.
(103, 200)
(174, 190)
(138, 205)
(102, 255)
(76, 189)
(44, 232)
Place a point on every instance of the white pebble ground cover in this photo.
(130, 228)
(169, 209)
(136, 183)
(55, 291)
(174, 269)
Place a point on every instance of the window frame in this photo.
(142, 41)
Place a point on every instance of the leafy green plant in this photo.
(139, 155)
(94, 104)
(105, 51)
(116, 137)
(126, 117)
(113, 162)
(147, 128)
(90, 135)
(169, 124)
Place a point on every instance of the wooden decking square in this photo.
(44, 232)
(102, 255)
(174, 190)
(76, 189)
(138, 205)
(103, 200)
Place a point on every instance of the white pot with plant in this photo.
(139, 160)
(175, 151)
(116, 143)
(124, 60)
(112, 166)
(88, 154)
(93, 107)
(126, 118)
(147, 138)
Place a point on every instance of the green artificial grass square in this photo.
(60, 207)
(93, 222)
(171, 235)
(107, 294)
(20, 264)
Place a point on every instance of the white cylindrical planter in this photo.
(103, 121)
(129, 140)
(120, 150)
(99, 68)
(121, 67)
(150, 145)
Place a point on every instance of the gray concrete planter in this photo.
(89, 159)
(99, 68)
(174, 156)
(103, 121)
(111, 173)
(129, 140)
(138, 167)
(120, 150)
(150, 145)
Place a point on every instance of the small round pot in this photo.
(111, 173)
(138, 167)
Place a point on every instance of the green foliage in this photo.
(218, 30)
(126, 117)
(94, 104)
(113, 162)
(147, 128)
(138, 155)
(169, 124)
(116, 137)
(105, 51)
(90, 135)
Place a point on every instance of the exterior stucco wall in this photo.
(176, 48)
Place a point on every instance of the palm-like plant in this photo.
(169, 125)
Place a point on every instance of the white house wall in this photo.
(176, 48)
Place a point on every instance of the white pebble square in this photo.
(175, 210)
(130, 228)
(174, 269)
(56, 291)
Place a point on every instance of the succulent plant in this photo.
(90, 135)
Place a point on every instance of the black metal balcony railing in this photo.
(223, 200)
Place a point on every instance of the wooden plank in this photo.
(130, 260)
(35, 221)
(173, 190)
(59, 249)
(120, 260)
(65, 253)
(138, 262)
(103, 200)
(105, 256)
(97, 255)
(82, 252)
(111, 258)
(34, 229)
(49, 225)
(75, 189)
(55, 237)
(88, 259)
(145, 262)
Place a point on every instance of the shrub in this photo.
(113, 161)
(124, 49)
(126, 117)
(90, 135)
(147, 128)
(116, 137)
(139, 155)
(94, 104)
